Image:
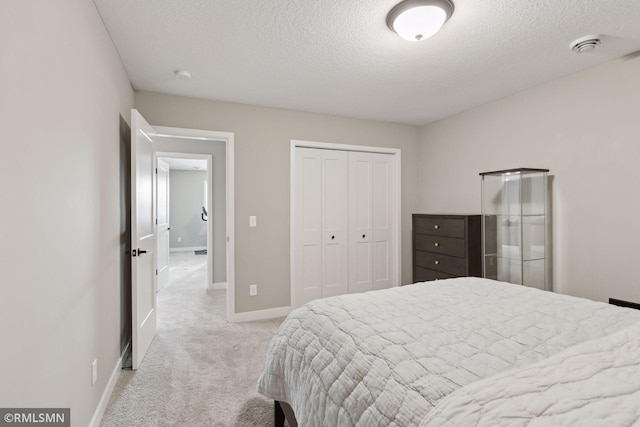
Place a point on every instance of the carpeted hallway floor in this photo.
(200, 370)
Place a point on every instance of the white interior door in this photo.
(345, 220)
(163, 228)
(308, 223)
(384, 220)
(335, 244)
(143, 238)
(360, 221)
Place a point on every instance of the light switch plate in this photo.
(94, 371)
(253, 221)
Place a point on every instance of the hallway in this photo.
(200, 370)
(186, 301)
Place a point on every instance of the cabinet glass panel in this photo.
(514, 226)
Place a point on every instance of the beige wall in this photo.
(63, 89)
(586, 129)
(262, 144)
(186, 202)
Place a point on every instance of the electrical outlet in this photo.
(94, 372)
(253, 290)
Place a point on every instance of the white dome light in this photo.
(416, 20)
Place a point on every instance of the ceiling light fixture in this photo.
(416, 20)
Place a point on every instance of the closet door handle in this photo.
(333, 237)
(363, 236)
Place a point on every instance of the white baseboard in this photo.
(218, 286)
(104, 400)
(188, 249)
(270, 313)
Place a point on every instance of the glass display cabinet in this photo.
(514, 226)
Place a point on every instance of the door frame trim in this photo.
(228, 139)
(292, 200)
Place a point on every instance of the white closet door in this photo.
(335, 247)
(384, 220)
(308, 226)
(345, 223)
(372, 219)
(360, 221)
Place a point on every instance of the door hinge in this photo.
(156, 171)
(156, 221)
(156, 271)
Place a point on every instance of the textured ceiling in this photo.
(338, 56)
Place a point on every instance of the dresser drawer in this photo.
(437, 226)
(439, 262)
(446, 245)
(424, 275)
(441, 245)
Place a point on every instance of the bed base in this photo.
(623, 303)
(282, 411)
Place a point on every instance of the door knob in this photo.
(333, 237)
(363, 236)
(139, 252)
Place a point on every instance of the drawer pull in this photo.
(436, 226)
(436, 262)
(436, 244)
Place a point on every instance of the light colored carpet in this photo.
(200, 370)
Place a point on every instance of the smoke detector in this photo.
(182, 74)
(585, 44)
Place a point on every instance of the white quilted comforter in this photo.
(388, 358)
(595, 383)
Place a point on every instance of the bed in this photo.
(465, 351)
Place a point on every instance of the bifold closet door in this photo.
(335, 219)
(321, 245)
(371, 221)
(384, 220)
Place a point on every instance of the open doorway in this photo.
(201, 182)
(146, 142)
(184, 232)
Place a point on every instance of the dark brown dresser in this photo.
(446, 246)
